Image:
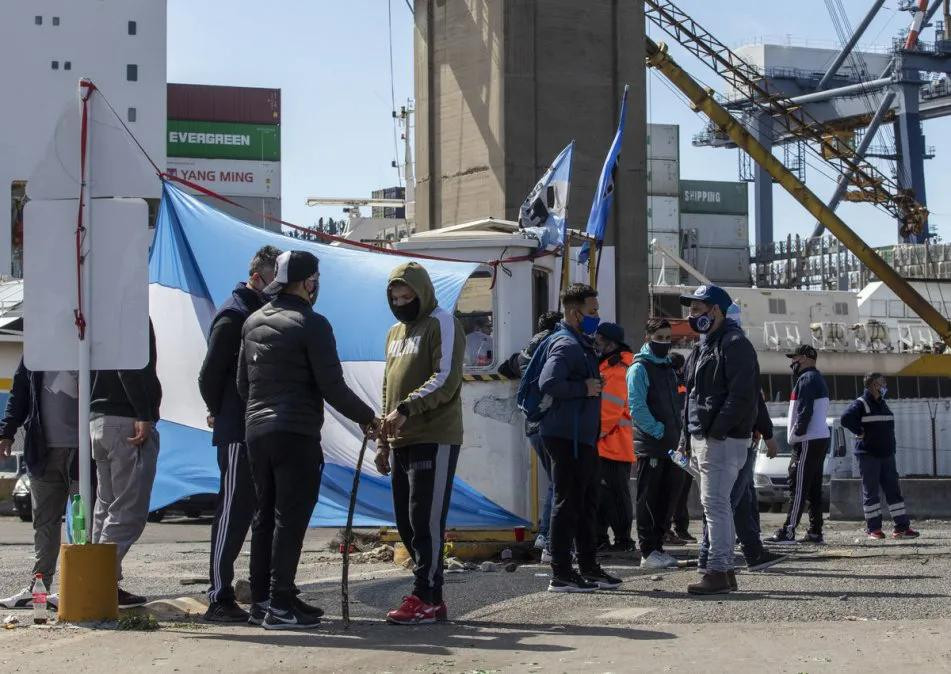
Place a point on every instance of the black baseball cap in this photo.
(710, 294)
(804, 350)
(291, 266)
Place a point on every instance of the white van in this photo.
(771, 476)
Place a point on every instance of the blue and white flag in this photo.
(604, 197)
(543, 211)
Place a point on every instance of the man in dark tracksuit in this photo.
(217, 382)
(288, 366)
(570, 430)
(46, 406)
(873, 424)
(678, 516)
(422, 401)
(808, 434)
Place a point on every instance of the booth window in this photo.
(475, 309)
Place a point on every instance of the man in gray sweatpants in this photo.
(125, 446)
(45, 405)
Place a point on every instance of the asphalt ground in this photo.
(849, 584)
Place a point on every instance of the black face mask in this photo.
(406, 313)
(660, 349)
(795, 367)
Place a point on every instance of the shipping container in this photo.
(663, 177)
(715, 231)
(223, 140)
(201, 102)
(714, 196)
(230, 177)
(723, 266)
(658, 263)
(663, 141)
(663, 214)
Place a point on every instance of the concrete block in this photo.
(924, 498)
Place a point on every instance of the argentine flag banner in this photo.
(544, 210)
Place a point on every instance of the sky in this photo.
(331, 61)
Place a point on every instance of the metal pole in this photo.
(860, 151)
(850, 45)
(934, 440)
(860, 88)
(85, 352)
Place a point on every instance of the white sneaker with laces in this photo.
(22, 599)
(541, 542)
(546, 556)
(654, 560)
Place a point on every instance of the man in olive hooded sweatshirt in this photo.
(422, 406)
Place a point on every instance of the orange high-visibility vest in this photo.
(617, 433)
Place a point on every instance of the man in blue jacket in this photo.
(217, 381)
(808, 435)
(873, 424)
(570, 430)
(722, 388)
(46, 406)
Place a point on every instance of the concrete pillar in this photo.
(502, 86)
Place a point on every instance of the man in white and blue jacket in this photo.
(808, 435)
(873, 425)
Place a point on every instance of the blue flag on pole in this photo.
(543, 211)
(604, 197)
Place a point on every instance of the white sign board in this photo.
(116, 306)
(230, 177)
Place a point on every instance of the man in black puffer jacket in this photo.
(288, 366)
(217, 382)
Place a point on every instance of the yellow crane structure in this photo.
(702, 100)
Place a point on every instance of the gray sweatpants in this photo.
(126, 474)
(49, 494)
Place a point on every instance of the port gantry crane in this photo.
(745, 78)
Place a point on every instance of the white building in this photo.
(46, 47)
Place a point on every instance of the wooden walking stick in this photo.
(348, 537)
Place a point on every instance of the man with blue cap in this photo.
(722, 380)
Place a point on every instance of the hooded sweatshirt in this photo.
(655, 404)
(424, 367)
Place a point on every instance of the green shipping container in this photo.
(224, 140)
(713, 196)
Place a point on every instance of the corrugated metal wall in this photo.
(913, 433)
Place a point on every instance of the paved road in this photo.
(808, 614)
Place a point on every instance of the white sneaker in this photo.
(546, 556)
(22, 599)
(654, 560)
(670, 559)
(541, 542)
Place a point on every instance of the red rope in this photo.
(80, 318)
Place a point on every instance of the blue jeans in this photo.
(536, 442)
(745, 511)
(720, 462)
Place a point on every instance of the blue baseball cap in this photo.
(711, 295)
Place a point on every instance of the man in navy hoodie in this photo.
(570, 430)
(873, 424)
(217, 382)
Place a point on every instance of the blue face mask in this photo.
(589, 324)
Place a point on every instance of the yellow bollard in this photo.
(87, 583)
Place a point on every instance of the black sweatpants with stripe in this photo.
(422, 487)
(805, 484)
(236, 505)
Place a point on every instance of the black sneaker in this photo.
(257, 612)
(304, 607)
(225, 612)
(685, 536)
(289, 619)
(815, 539)
(571, 582)
(765, 560)
(782, 537)
(129, 600)
(602, 579)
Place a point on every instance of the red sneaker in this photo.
(876, 535)
(442, 613)
(905, 533)
(413, 611)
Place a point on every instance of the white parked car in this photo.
(771, 476)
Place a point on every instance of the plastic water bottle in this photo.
(78, 520)
(40, 617)
(683, 461)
